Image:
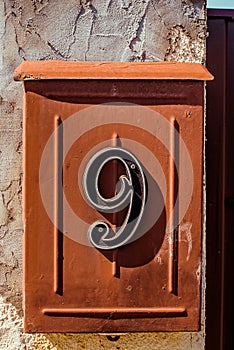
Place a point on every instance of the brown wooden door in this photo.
(220, 181)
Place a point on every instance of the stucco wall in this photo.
(119, 30)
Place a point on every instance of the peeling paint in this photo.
(183, 46)
(185, 235)
(158, 259)
(198, 272)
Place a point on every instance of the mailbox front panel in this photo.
(151, 133)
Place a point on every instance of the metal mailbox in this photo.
(113, 159)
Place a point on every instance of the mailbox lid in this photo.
(56, 69)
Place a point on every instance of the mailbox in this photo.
(113, 168)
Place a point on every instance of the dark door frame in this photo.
(220, 182)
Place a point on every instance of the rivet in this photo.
(188, 114)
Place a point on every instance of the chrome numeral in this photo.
(131, 192)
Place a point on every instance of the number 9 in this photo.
(132, 193)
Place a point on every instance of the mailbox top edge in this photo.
(57, 69)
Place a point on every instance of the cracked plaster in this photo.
(115, 30)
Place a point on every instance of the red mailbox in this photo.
(113, 159)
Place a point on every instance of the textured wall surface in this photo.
(119, 30)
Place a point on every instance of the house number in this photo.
(131, 193)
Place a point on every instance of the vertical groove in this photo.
(173, 208)
(115, 266)
(58, 212)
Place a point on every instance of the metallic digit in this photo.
(132, 193)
